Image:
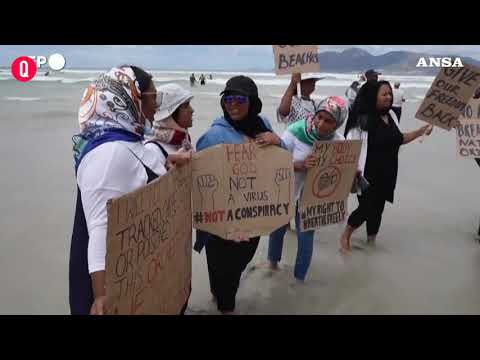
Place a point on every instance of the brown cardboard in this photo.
(295, 59)
(448, 96)
(471, 111)
(149, 247)
(468, 131)
(242, 190)
(328, 184)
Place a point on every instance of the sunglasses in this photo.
(239, 99)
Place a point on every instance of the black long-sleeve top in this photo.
(381, 166)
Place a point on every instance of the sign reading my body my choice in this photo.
(291, 59)
(448, 96)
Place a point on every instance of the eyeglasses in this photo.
(148, 93)
(239, 99)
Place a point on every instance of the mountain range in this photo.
(394, 62)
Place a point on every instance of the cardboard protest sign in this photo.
(448, 96)
(471, 111)
(468, 131)
(296, 59)
(149, 247)
(328, 184)
(468, 138)
(242, 190)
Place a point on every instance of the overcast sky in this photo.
(208, 57)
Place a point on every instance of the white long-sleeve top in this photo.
(300, 151)
(110, 171)
(351, 96)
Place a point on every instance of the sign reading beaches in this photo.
(448, 96)
(242, 190)
(149, 247)
(295, 59)
(328, 184)
(468, 131)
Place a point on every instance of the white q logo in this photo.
(24, 69)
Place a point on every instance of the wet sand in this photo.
(426, 260)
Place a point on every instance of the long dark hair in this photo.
(364, 113)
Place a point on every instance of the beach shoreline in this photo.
(425, 261)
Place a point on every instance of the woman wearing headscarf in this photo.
(328, 117)
(240, 123)
(376, 125)
(173, 118)
(110, 161)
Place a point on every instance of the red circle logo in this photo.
(326, 182)
(24, 68)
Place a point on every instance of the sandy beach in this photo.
(426, 260)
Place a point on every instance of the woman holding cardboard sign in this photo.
(328, 117)
(110, 161)
(240, 123)
(376, 125)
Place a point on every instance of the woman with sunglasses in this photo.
(240, 123)
(328, 117)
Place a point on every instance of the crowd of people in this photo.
(132, 132)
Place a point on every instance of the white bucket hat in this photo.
(169, 98)
(312, 76)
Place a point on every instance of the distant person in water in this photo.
(192, 80)
(202, 80)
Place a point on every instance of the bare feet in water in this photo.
(270, 265)
(345, 245)
(345, 240)
(371, 239)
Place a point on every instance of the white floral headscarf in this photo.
(112, 101)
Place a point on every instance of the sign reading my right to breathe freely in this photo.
(448, 96)
(468, 131)
(328, 184)
(291, 59)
